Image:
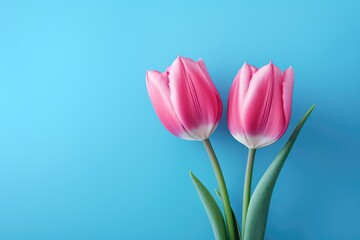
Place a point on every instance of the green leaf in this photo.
(238, 232)
(212, 209)
(260, 201)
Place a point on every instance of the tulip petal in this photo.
(237, 94)
(257, 103)
(288, 85)
(275, 125)
(233, 115)
(253, 69)
(210, 82)
(202, 66)
(194, 99)
(245, 75)
(158, 88)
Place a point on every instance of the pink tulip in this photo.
(259, 106)
(185, 99)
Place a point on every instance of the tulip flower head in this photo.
(259, 106)
(185, 99)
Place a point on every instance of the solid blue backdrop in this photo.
(84, 156)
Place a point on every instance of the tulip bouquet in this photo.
(259, 109)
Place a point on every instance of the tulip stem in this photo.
(247, 186)
(222, 187)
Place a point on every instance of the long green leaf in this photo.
(238, 232)
(260, 201)
(212, 209)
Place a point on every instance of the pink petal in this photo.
(233, 115)
(237, 94)
(288, 85)
(194, 100)
(202, 66)
(253, 69)
(245, 75)
(257, 102)
(159, 92)
(275, 125)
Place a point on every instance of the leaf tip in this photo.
(193, 177)
(312, 107)
(310, 110)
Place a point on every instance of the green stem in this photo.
(247, 186)
(222, 187)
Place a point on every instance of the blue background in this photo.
(84, 156)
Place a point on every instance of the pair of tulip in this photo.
(190, 107)
(259, 109)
